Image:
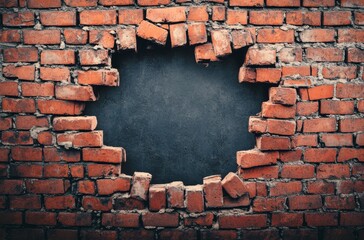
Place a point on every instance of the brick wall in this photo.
(304, 179)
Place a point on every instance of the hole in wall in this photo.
(178, 120)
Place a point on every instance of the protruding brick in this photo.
(194, 198)
(260, 57)
(140, 185)
(152, 32)
(271, 110)
(234, 186)
(253, 158)
(75, 93)
(268, 75)
(74, 123)
(99, 77)
(213, 191)
(178, 34)
(197, 33)
(221, 42)
(175, 195)
(157, 197)
(205, 53)
(285, 96)
(126, 39)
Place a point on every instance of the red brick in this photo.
(324, 54)
(9, 3)
(231, 221)
(55, 186)
(285, 188)
(37, 89)
(333, 171)
(298, 171)
(40, 218)
(270, 75)
(347, 90)
(234, 186)
(10, 217)
(350, 35)
(221, 42)
(248, 3)
(58, 18)
(305, 202)
(102, 170)
(205, 219)
(359, 18)
(290, 156)
(120, 219)
(266, 17)
(321, 92)
(130, 16)
(212, 188)
(321, 219)
(104, 154)
(275, 36)
(197, 33)
(341, 72)
(218, 13)
(260, 57)
(110, 186)
(81, 3)
(75, 219)
(264, 204)
(9, 88)
(98, 17)
(16, 138)
(94, 57)
(318, 35)
(157, 197)
(305, 140)
(194, 198)
(291, 71)
(59, 107)
(75, 36)
(315, 3)
(351, 219)
(137, 234)
(319, 125)
(307, 108)
(337, 140)
(198, 14)
(253, 158)
(10, 36)
(360, 139)
(97, 203)
(20, 72)
(287, 219)
(126, 39)
(320, 155)
(56, 170)
(55, 155)
(19, 19)
(125, 202)
(265, 172)
(77, 171)
(27, 122)
(355, 55)
(66, 57)
(346, 154)
(54, 74)
(175, 195)
(86, 187)
(337, 18)
(20, 54)
(160, 219)
(241, 38)
(320, 187)
(11, 186)
(75, 93)
(273, 143)
(271, 110)
(285, 96)
(60, 234)
(102, 38)
(236, 17)
(153, 2)
(42, 37)
(5, 123)
(74, 123)
(81, 139)
(178, 234)
(26, 154)
(289, 55)
(257, 125)
(44, 4)
(229, 202)
(247, 75)
(140, 185)
(60, 202)
(303, 18)
(25, 202)
(116, 2)
(169, 14)
(341, 203)
(178, 34)
(99, 77)
(352, 3)
(283, 3)
(351, 125)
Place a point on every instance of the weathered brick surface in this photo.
(304, 179)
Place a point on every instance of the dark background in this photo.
(177, 120)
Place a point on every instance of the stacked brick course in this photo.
(304, 179)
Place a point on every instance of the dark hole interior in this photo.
(178, 120)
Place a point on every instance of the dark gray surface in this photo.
(177, 120)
